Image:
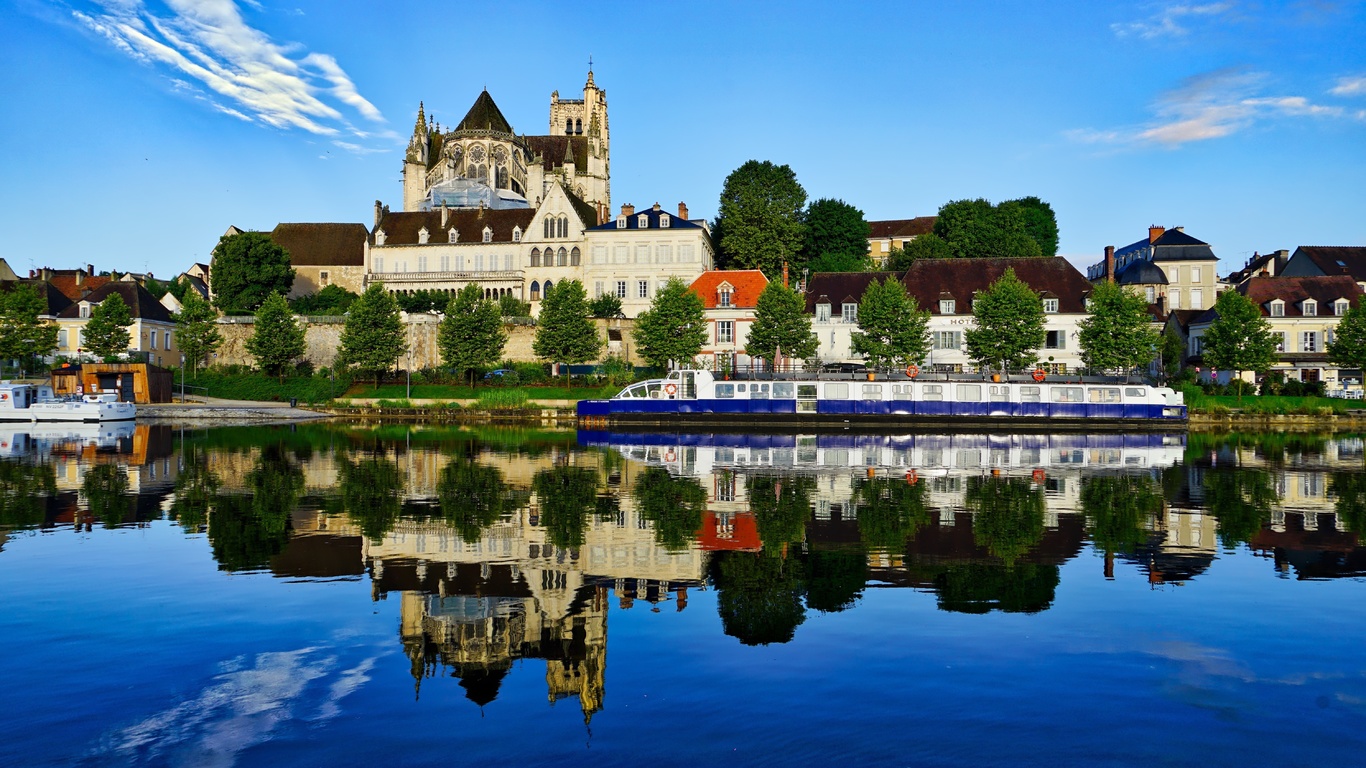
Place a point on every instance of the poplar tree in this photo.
(564, 332)
(471, 335)
(107, 334)
(674, 328)
(373, 338)
(196, 333)
(893, 329)
(277, 340)
(1117, 334)
(1009, 324)
(781, 326)
(1239, 339)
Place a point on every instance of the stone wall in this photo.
(322, 337)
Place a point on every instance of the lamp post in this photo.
(182, 379)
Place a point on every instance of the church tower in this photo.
(415, 163)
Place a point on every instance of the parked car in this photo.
(501, 377)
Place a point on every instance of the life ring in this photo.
(912, 477)
(669, 455)
(670, 389)
(913, 370)
(1039, 374)
(1038, 477)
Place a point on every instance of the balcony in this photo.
(469, 276)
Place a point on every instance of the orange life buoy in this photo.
(669, 455)
(1039, 374)
(912, 477)
(670, 389)
(1038, 477)
(913, 370)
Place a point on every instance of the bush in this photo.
(434, 376)
(529, 373)
(616, 371)
(1273, 383)
(502, 399)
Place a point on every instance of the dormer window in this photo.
(1278, 308)
(663, 221)
(621, 222)
(1050, 306)
(488, 235)
(947, 306)
(516, 234)
(453, 236)
(379, 237)
(1340, 307)
(823, 312)
(422, 236)
(1309, 307)
(643, 221)
(723, 296)
(85, 309)
(849, 312)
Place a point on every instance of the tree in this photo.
(976, 229)
(893, 329)
(1239, 339)
(277, 340)
(674, 504)
(564, 334)
(511, 306)
(607, 305)
(373, 338)
(371, 493)
(22, 334)
(836, 237)
(1117, 334)
(332, 300)
(1040, 223)
(926, 246)
(425, 300)
(1173, 349)
(759, 221)
(472, 497)
(195, 330)
(567, 496)
(674, 328)
(1348, 347)
(246, 268)
(471, 335)
(1009, 515)
(781, 326)
(106, 334)
(1009, 324)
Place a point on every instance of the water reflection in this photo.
(504, 547)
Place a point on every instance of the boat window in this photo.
(934, 392)
(1067, 394)
(804, 391)
(1030, 395)
(1103, 394)
(872, 391)
(739, 387)
(999, 393)
(783, 389)
(689, 388)
(901, 392)
(725, 390)
(758, 391)
(969, 393)
(1135, 392)
(837, 391)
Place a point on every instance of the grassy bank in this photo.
(1270, 404)
(460, 392)
(252, 386)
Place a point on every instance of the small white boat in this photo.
(30, 403)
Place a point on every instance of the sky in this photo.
(134, 133)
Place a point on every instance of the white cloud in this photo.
(208, 42)
(1350, 86)
(1168, 21)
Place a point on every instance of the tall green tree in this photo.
(373, 338)
(22, 334)
(759, 222)
(1348, 347)
(759, 596)
(471, 335)
(246, 268)
(1040, 223)
(195, 330)
(278, 340)
(605, 306)
(564, 332)
(1009, 324)
(1119, 511)
(371, 493)
(926, 246)
(106, 334)
(890, 511)
(781, 326)
(674, 328)
(1173, 349)
(976, 229)
(1239, 339)
(836, 237)
(1117, 333)
(893, 329)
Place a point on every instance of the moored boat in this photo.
(38, 403)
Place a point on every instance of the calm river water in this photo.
(357, 595)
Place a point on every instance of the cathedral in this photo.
(482, 161)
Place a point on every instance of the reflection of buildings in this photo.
(1313, 546)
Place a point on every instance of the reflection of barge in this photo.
(1023, 402)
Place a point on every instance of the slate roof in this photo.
(927, 278)
(1141, 272)
(1327, 258)
(552, 150)
(484, 115)
(56, 301)
(401, 227)
(746, 285)
(1174, 245)
(322, 245)
(587, 213)
(141, 303)
(652, 218)
(1184, 317)
(1293, 290)
(920, 225)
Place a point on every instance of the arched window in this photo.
(568, 126)
(535, 257)
(535, 291)
(574, 257)
(564, 226)
(548, 286)
(578, 126)
(549, 228)
(501, 176)
(562, 258)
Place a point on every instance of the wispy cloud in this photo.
(250, 76)
(1170, 21)
(1209, 106)
(1350, 86)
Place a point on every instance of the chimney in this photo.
(481, 209)
(80, 277)
(1161, 306)
(89, 270)
(682, 211)
(627, 209)
(32, 273)
(1109, 263)
(445, 214)
(656, 208)
(379, 212)
(1179, 229)
(1155, 232)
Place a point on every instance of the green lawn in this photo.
(253, 386)
(1271, 404)
(461, 392)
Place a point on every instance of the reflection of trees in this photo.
(1348, 490)
(835, 578)
(472, 496)
(1009, 515)
(105, 488)
(247, 530)
(1240, 499)
(567, 496)
(979, 588)
(24, 491)
(890, 511)
(195, 489)
(759, 596)
(781, 506)
(370, 490)
(674, 504)
(1117, 510)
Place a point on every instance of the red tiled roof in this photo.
(68, 286)
(141, 303)
(322, 245)
(746, 285)
(401, 227)
(1293, 290)
(920, 225)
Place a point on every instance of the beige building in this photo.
(634, 255)
(152, 331)
(1185, 276)
(893, 234)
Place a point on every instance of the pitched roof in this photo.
(72, 287)
(652, 218)
(1141, 272)
(401, 227)
(141, 303)
(920, 225)
(322, 245)
(553, 149)
(926, 278)
(1184, 317)
(746, 285)
(1175, 245)
(56, 301)
(1337, 259)
(484, 115)
(833, 287)
(587, 213)
(1294, 290)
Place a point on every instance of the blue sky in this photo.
(135, 132)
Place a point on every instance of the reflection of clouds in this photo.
(240, 708)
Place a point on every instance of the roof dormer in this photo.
(724, 292)
(422, 236)
(488, 234)
(663, 221)
(380, 237)
(1276, 308)
(643, 221)
(453, 236)
(516, 234)
(1309, 308)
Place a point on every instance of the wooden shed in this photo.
(140, 383)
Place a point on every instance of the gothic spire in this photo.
(421, 126)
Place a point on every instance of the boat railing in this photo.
(1013, 377)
